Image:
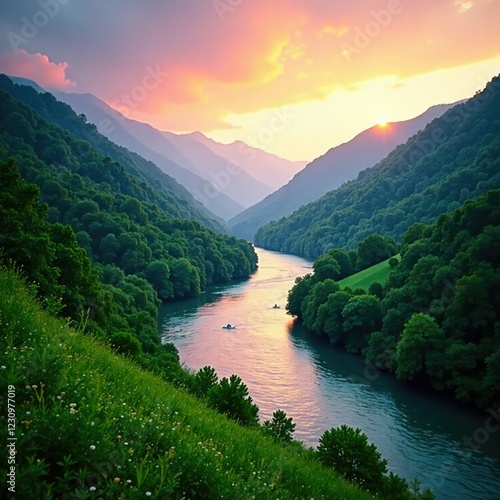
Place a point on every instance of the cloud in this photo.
(37, 67)
(260, 55)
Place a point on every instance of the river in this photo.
(452, 450)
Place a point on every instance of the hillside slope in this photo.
(91, 424)
(455, 158)
(152, 145)
(339, 165)
(177, 198)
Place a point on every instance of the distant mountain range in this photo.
(339, 165)
(454, 158)
(225, 178)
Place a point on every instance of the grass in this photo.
(92, 424)
(379, 272)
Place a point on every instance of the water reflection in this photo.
(320, 387)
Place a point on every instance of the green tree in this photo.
(362, 315)
(280, 428)
(421, 337)
(374, 249)
(347, 450)
(230, 397)
(326, 267)
(297, 294)
(204, 379)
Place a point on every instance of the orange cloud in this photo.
(36, 67)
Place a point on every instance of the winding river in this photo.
(453, 451)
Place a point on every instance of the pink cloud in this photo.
(37, 67)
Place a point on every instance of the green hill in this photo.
(379, 273)
(454, 159)
(91, 424)
(154, 186)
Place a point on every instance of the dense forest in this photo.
(151, 184)
(436, 320)
(142, 251)
(455, 158)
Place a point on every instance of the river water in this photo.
(452, 450)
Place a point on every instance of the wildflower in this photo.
(72, 405)
(92, 488)
(116, 480)
(148, 493)
(92, 447)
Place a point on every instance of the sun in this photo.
(382, 123)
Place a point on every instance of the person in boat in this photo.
(276, 306)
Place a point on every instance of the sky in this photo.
(293, 77)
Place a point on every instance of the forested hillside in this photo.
(337, 166)
(455, 158)
(143, 251)
(436, 321)
(153, 185)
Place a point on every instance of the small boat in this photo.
(229, 327)
(276, 306)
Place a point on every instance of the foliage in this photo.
(280, 428)
(455, 158)
(94, 424)
(124, 211)
(346, 450)
(436, 320)
(230, 397)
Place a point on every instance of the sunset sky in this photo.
(293, 77)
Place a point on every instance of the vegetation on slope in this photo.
(337, 166)
(436, 321)
(91, 424)
(455, 158)
(363, 279)
(145, 253)
(150, 185)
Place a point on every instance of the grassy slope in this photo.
(88, 420)
(379, 272)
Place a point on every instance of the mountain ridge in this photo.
(329, 171)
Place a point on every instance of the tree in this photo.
(230, 397)
(362, 315)
(326, 267)
(204, 379)
(331, 314)
(347, 450)
(421, 337)
(280, 428)
(297, 294)
(374, 249)
(157, 273)
(318, 295)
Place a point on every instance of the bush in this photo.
(347, 450)
(280, 428)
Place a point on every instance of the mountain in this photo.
(455, 158)
(339, 165)
(158, 187)
(211, 177)
(267, 168)
(154, 146)
(223, 175)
